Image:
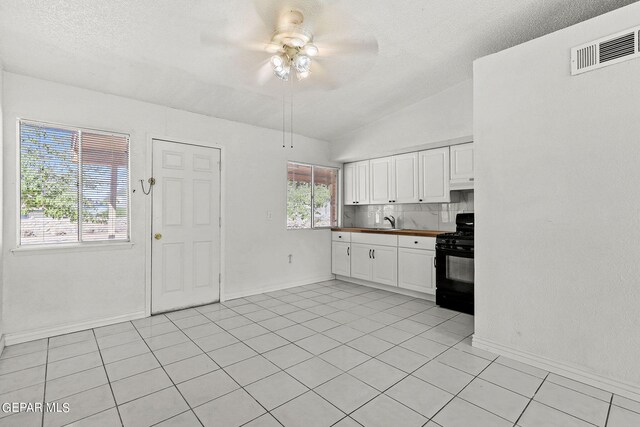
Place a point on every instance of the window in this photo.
(74, 185)
(312, 196)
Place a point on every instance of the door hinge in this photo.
(219, 278)
(219, 222)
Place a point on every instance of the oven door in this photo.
(454, 279)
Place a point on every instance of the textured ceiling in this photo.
(152, 51)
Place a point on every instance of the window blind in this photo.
(73, 185)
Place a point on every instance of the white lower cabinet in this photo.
(341, 258)
(374, 263)
(384, 265)
(361, 261)
(416, 270)
(403, 261)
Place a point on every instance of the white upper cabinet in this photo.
(394, 179)
(405, 181)
(362, 182)
(434, 176)
(356, 183)
(419, 177)
(462, 166)
(349, 176)
(381, 172)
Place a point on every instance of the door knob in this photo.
(157, 236)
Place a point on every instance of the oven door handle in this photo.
(454, 252)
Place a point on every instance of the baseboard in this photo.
(395, 289)
(1, 344)
(276, 287)
(628, 390)
(36, 334)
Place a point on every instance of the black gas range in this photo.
(455, 266)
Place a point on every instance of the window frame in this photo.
(79, 243)
(338, 195)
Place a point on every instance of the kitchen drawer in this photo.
(417, 242)
(375, 239)
(340, 236)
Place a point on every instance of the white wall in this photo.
(444, 118)
(558, 206)
(49, 289)
(1, 214)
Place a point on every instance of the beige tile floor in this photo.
(330, 353)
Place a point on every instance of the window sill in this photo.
(309, 229)
(71, 247)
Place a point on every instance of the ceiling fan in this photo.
(310, 40)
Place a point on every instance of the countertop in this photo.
(403, 232)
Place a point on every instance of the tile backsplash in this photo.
(424, 216)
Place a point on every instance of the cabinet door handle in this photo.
(348, 250)
(416, 242)
(420, 200)
(369, 253)
(374, 254)
(470, 179)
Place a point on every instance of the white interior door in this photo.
(185, 249)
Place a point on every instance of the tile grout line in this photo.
(531, 398)
(170, 379)
(383, 392)
(471, 403)
(223, 370)
(281, 369)
(370, 357)
(606, 421)
(115, 402)
(353, 297)
(564, 412)
(44, 391)
(260, 354)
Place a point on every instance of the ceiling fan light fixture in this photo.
(302, 75)
(277, 61)
(282, 72)
(311, 49)
(273, 48)
(301, 62)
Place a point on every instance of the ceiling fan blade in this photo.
(271, 11)
(337, 32)
(352, 46)
(330, 73)
(220, 42)
(265, 73)
(320, 78)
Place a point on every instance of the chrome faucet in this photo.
(392, 220)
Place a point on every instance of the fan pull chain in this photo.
(291, 120)
(284, 115)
